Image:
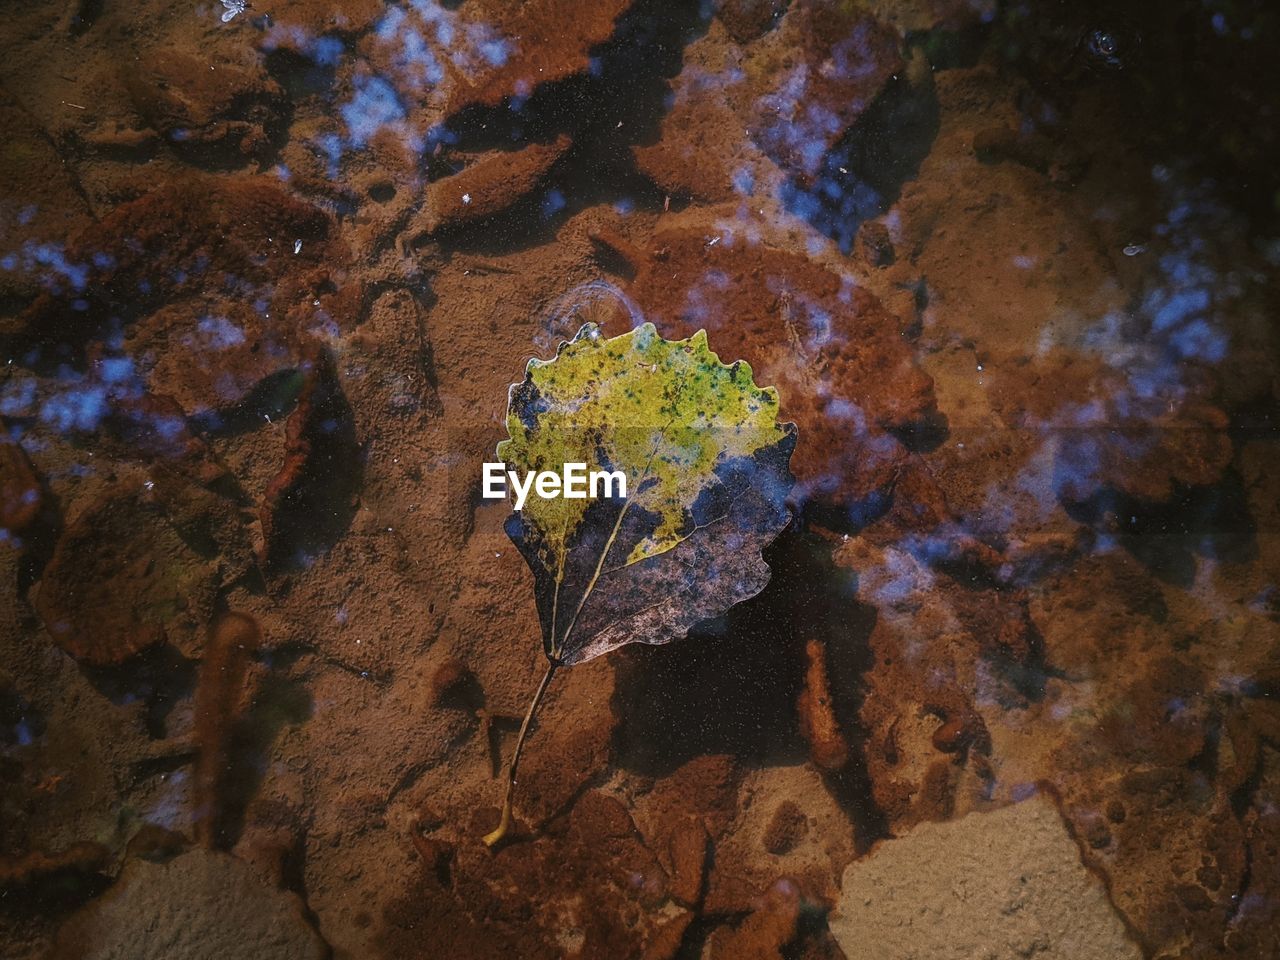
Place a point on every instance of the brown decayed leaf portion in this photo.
(119, 578)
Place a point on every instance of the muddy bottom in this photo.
(981, 658)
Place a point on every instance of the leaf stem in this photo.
(492, 839)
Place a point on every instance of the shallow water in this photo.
(267, 274)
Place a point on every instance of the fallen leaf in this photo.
(707, 476)
(122, 579)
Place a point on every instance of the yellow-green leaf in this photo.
(706, 465)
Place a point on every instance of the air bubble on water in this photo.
(1103, 43)
(1133, 249)
(1106, 48)
(595, 301)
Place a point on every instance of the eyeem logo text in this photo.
(574, 483)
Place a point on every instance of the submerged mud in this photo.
(267, 271)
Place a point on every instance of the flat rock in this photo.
(1007, 884)
(200, 904)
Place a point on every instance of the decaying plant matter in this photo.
(707, 478)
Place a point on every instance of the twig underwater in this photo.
(496, 836)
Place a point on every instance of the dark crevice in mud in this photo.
(1256, 420)
(229, 156)
(530, 222)
(1029, 672)
(286, 655)
(21, 722)
(272, 399)
(863, 174)
(964, 570)
(925, 435)
(293, 877)
(84, 14)
(951, 48)
(251, 579)
(464, 694)
(160, 678)
(12, 303)
(694, 942)
(1205, 762)
(1246, 880)
(920, 300)
(627, 84)
(813, 934)
(384, 191)
(613, 258)
(300, 76)
(1243, 797)
(567, 190)
(619, 102)
(851, 788)
(851, 518)
(1214, 522)
(844, 625)
(162, 765)
(55, 894)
